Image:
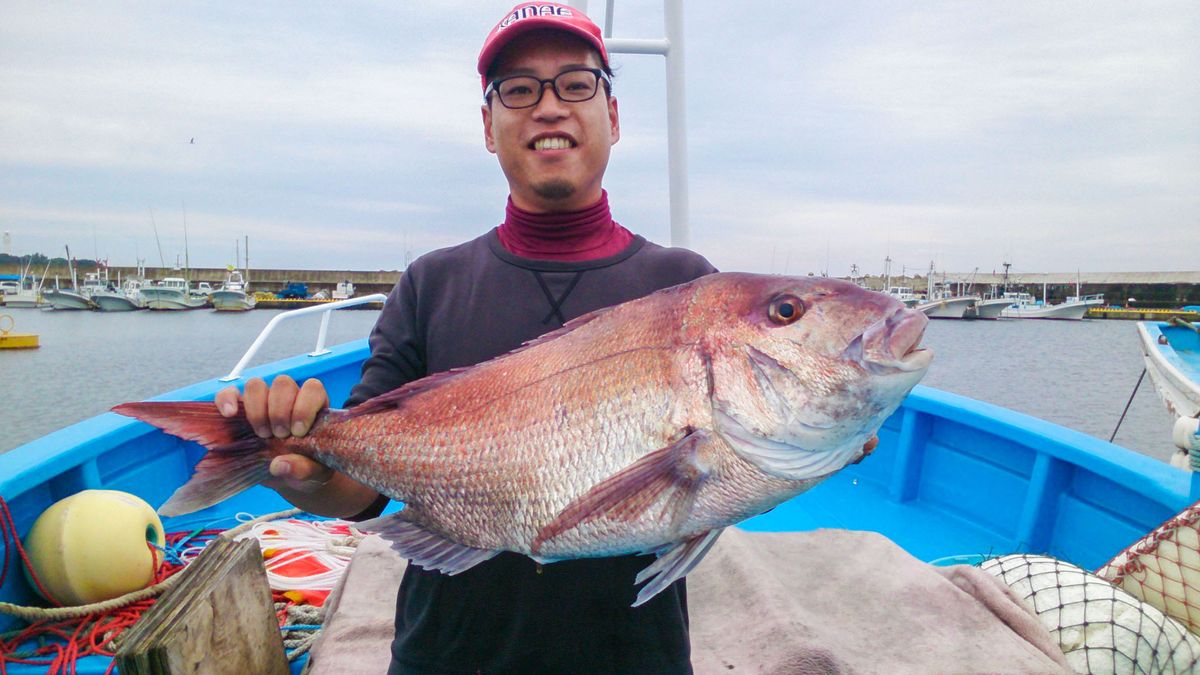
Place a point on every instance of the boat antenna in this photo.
(162, 262)
(187, 268)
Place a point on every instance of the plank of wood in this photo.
(218, 619)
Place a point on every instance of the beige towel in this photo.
(829, 601)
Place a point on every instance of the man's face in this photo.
(553, 154)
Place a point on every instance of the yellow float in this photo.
(94, 545)
(9, 340)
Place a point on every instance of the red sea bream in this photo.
(645, 427)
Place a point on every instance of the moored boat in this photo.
(234, 295)
(988, 308)
(948, 307)
(1025, 306)
(172, 293)
(1171, 352)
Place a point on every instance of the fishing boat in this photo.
(951, 478)
(76, 298)
(234, 295)
(942, 303)
(1025, 306)
(1171, 352)
(904, 294)
(173, 294)
(26, 291)
(987, 308)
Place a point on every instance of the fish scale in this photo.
(648, 426)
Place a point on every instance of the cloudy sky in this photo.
(1057, 136)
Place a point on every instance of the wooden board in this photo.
(219, 618)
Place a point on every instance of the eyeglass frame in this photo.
(602, 77)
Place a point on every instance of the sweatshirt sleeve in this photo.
(397, 346)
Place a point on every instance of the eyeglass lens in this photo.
(573, 86)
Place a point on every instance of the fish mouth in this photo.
(892, 344)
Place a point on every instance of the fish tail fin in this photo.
(237, 459)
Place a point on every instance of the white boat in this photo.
(26, 292)
(988, 308)
(1171, 352)
(954, 307)
(234, 295)
(172, 293)
(904, 294)
(77, 298)
(943, 303)
(128, 298)
(344, 290)
(1025, 306)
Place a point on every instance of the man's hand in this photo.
(282, 410)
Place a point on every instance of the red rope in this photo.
(60, 644)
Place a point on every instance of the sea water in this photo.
(1079, 374)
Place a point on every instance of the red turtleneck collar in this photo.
(589, 234)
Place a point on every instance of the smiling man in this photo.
(550, 118)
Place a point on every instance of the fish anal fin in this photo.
(674, 564)
(675, 471)
(424, 547)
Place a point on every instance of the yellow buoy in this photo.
(9, 340)
(93, 546)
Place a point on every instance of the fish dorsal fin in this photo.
(424, 547)
(674, 564)
(397, 397)
(675, 471)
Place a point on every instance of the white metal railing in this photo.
(320, 349)
(670, 47)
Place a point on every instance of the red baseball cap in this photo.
(529, 16)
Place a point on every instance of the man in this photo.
(550, 118)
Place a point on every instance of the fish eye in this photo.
(785, 309)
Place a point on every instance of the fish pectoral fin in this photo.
(424, 547)
(674, 564)
(669, 477)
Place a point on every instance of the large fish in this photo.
(644, 427)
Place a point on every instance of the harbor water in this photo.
(1079, 374)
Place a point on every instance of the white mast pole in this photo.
(670, 47)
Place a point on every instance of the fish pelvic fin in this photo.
(424, 547)
(669, 477)
(237, 459)
(674, 564)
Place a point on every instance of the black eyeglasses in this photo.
(571, 86)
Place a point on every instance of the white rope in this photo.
(328, 543)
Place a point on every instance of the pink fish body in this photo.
(645, 427)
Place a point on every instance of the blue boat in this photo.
(952, 478)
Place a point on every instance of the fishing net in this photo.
(1100, 627)
(1163, 568)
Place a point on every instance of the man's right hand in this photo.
(284, 409)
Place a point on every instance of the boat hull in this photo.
(1172, 358)
(115, 302)
(170, 300)
(1067, 312)
(232, 301)
(988, 309)
(950, 478)
(67, 300)
(947, 308)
